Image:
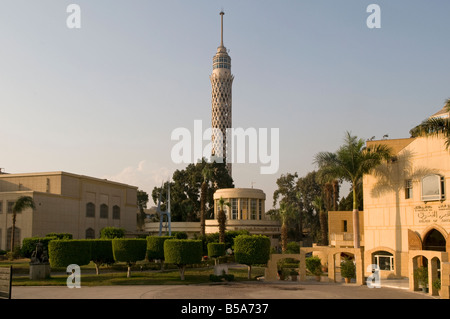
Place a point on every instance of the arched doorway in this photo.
(434, 240)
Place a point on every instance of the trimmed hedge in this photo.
(182, 252)
(129, 250)
(251, 250)
(216, 250)
(64, 252)
(29, 245)
(155, 247)
(101, 252)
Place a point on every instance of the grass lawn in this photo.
(117, 275)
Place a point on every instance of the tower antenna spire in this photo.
(221, 27)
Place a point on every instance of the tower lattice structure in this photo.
(221, 100)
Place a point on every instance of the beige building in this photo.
(406, 206)
(65, 203)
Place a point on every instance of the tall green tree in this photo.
(308, 189)
(289, 212)
(207, 174)
(350, 162)
(435, 126)
(222, 219)
(142, 200)
(185, 190)
(21, 204)
(319, 205)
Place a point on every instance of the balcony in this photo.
(344, 239)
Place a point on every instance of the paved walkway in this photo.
(236, 290)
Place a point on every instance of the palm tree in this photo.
(19, 206)
(435, 126)
(286, 212)
(319, 205)
(207, 173)
(222, 219)
(351, 162)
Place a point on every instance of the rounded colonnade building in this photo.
(246, 211)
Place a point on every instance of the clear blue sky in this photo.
(103, 100)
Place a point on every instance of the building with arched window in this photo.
(65, 203)
(407, 207)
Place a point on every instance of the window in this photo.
(384, 260)
(10, 207)
(90, 210)
(433, 188)
(103, 211)
(116, 212)
(90, 233)
(244, 208)
(260, 209)
(253, 208)
(234, 208)
(408, 189)
(344, 226)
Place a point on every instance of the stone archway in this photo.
(434, 240)
(434, 258)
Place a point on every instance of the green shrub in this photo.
(348, 269)
(64, 252)
(251, 250)
(112, 232)
(101, 252)
(293, 248)
(182, 252)
(216, 250)
(314, 265)
(155, 247)
(421, 275)
(180, 235)
(129, 250)
(224, 277)
(60, 235)
(29, 245)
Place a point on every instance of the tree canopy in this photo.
(185, 190)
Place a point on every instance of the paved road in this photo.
(250, 290)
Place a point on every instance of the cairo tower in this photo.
(221, 82)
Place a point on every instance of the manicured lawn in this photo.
(117, 275)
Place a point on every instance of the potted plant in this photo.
(421, 275)
(293, 273)
(313, 264)
(348, 270)
(437, 285)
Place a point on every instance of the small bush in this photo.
(224, 277)
(348, 269)
(129, 250)
(293, 248)
(63, 252)
(182, 252)
(112, 232)
(29, 245)
(180, 235)
(216, 250)
(60, 235)
(314, 265)
(155, 247)
(101, 252)
(251, 250)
